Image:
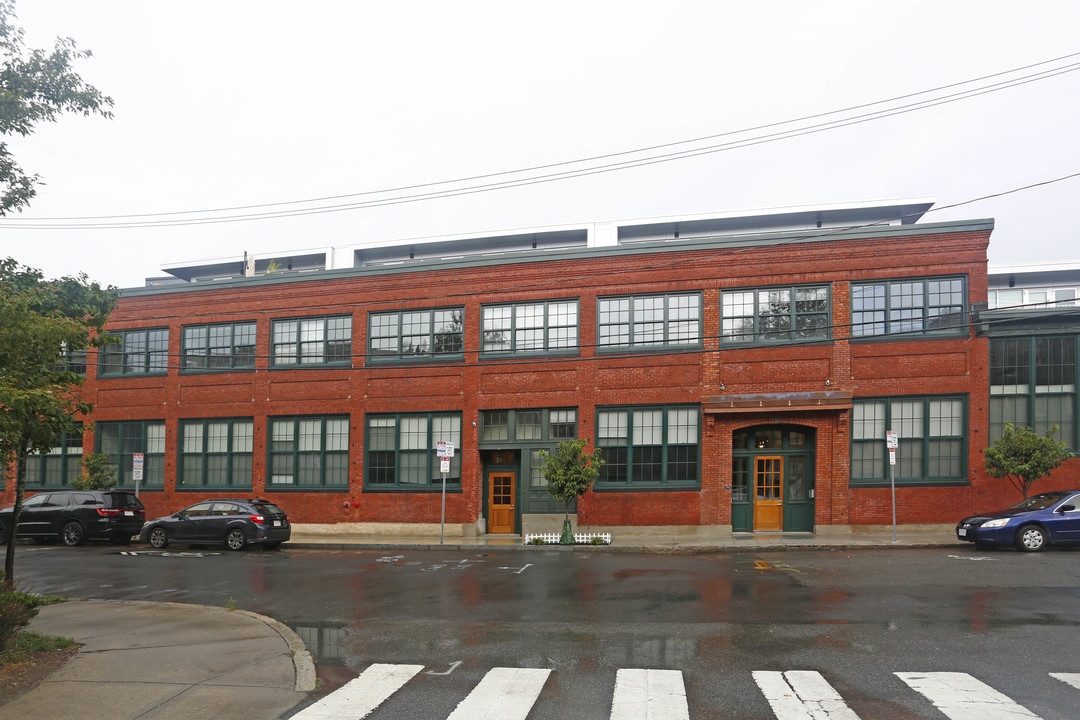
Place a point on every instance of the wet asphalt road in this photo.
(857, 617)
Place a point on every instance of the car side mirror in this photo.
(1066, 508)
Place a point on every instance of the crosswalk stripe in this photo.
(961, 697)
(802, 695)
(358, 697)
(1070, 678)
(503, 694)
(649, 695)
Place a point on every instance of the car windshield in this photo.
(269, 510)
(1040, 502)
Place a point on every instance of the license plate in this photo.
(128, 512)
(277, 523)
(962, 532)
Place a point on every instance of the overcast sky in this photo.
(231, 103)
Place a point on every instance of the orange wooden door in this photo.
(501, 490)
(769, 493)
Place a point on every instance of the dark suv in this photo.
(75, 516)
(234, 522)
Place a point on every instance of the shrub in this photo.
(17, 609)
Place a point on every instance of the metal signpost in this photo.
(445, 451)
(136, 469)
(892, 441)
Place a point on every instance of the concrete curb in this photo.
(672, 548)
(305, 666)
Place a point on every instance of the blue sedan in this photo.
(1030, 525)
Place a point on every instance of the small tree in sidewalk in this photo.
(1023, 456)
(97, 473)
(570, 473)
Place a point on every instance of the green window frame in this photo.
(140, 351)
(912, 307)
(216, 453)
(423, 334)
(1033, 384)
(218, 346)
(549, 326)
(59, 466)
(649, 447)
(649, 322)
(528, 425)
(308, 452)
(775, 314)
(303, 342)
(400, 450)
(121, 440)
(932, 434)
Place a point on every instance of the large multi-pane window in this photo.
(775, 314)
(539, 424)
(1033, 384)
(649, 446)
(401, 450)
(137, 352)
(416, 334)
(932, 433)
(550, 326)
(122, 440)
(909, 306)
(309, 452)
(649, 321)
(57, 467)
(215, 454)
(311, 341)
(224, 346)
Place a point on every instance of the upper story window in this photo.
(775, 314)
(416, 334)
(1033, 384)
(549, 326)
(138, 352)
(226, 346)
(312, 341)
(909, 306)
(649, 321)
(1032, 297)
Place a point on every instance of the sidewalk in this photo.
(167, 661)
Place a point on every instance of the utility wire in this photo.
(69, 223)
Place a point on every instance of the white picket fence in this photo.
(579, 538)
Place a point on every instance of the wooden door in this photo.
(501, 493)
(769, 493)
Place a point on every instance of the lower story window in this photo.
(309, 452)
(401, 450)
(932, 434)
(59, 466)
(650, 446)
(121, 441)
(215, 454)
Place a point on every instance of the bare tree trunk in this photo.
(20, 485)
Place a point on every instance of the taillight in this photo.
(108, 511)
(256, 519)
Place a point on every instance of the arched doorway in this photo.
(772, 479)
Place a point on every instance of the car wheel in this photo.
(1031, 538)
(72, 534)
(235, 539)
(159, 539)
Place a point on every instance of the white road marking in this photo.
(961, 697)
(358, 697)
(453, 667)
(503, 694)
(649, 695)
(1070, 678)
(517, 571)
(802, 695)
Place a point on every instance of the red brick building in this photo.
(739, 373)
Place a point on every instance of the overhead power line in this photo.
(567, 169)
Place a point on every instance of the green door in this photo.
(794, 447)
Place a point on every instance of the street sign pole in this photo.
(137, 460)
(445, 451)
(892, 441)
